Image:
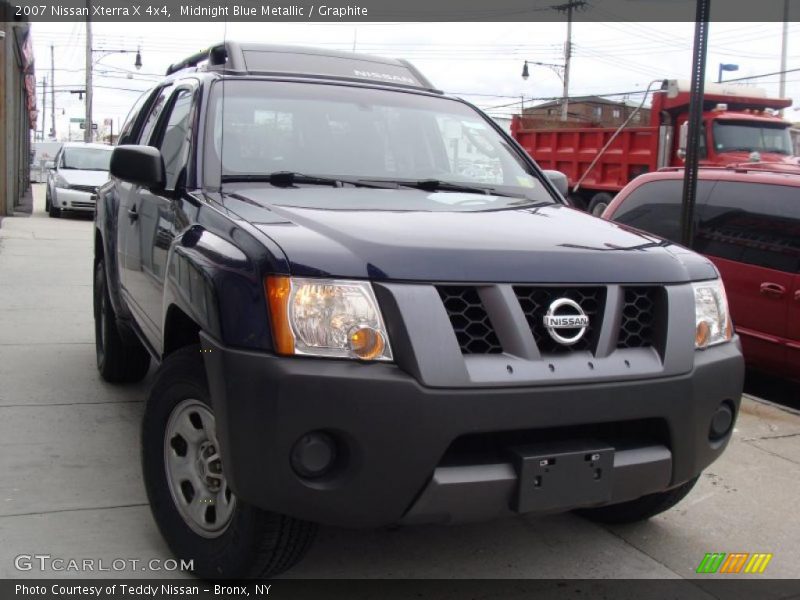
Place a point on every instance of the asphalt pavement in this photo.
(70, 482)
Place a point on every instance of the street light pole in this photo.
(52, 93)
(87, 123)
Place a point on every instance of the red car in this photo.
(747, 221)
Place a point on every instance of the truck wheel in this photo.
(197, 513)
(577, 201)
(599, 203)
(117, 361)
(640, 509)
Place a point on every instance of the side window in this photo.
(753, 223)
(127, 128)
(656, 207)
(152, 118)
(176, 135)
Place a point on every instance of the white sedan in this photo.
(78, 171)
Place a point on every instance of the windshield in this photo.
(87, 159)
(359, 134)
(732, 136)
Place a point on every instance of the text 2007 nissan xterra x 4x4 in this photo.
(370, 307)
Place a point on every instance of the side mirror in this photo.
(559, 180)
(140, 165)
(683, 140)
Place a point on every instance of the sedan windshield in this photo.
(263, 131)
(735, 136)
(87, 159)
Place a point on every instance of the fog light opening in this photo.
(314, 455)
(721, 421)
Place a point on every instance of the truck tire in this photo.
(197, 513)
(117, 361)
(640, 509)
(599, 203)
(577, 201)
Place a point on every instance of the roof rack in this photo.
(217, 56)
(299, 61)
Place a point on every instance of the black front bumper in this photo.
(395, 433)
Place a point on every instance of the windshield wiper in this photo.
(436, 185)
(289, 178)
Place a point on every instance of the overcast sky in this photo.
(480, 61)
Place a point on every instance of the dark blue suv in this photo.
(370, 307)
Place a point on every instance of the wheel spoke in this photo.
(199, 506)
(181, 468)
(188, 431)
(224, 506)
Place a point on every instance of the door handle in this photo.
(132, 214)
(772, 290)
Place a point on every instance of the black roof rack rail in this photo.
(297, 61)
(222, 56)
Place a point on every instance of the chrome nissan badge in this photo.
(565, 314)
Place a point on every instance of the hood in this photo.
(547, 244)
(81, 177)
(745, 157)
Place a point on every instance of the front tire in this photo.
(599, 203)
(117, 361)
(51, 209)
(198, 515)
(640, 509)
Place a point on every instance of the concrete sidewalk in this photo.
(70, 483)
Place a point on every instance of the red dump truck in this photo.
(740, 125)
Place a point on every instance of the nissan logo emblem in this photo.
(565, 314)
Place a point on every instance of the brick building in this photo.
(586, 111)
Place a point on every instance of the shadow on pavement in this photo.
(774, 389)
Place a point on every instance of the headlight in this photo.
(326, 317)
(60, 181)
(712, 319)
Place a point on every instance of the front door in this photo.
(154, 221)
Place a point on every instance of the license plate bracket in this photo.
(560, 475)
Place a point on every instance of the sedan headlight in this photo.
(326, 317)
(60, 181)
(712, 319)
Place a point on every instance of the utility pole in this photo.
(87, 124)
(782, 91)
(52, 93)
(567, 7)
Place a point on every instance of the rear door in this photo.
(751, 231)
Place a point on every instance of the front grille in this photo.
(536, 300)
(638, 317)
(470, 321)
(91, 189)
